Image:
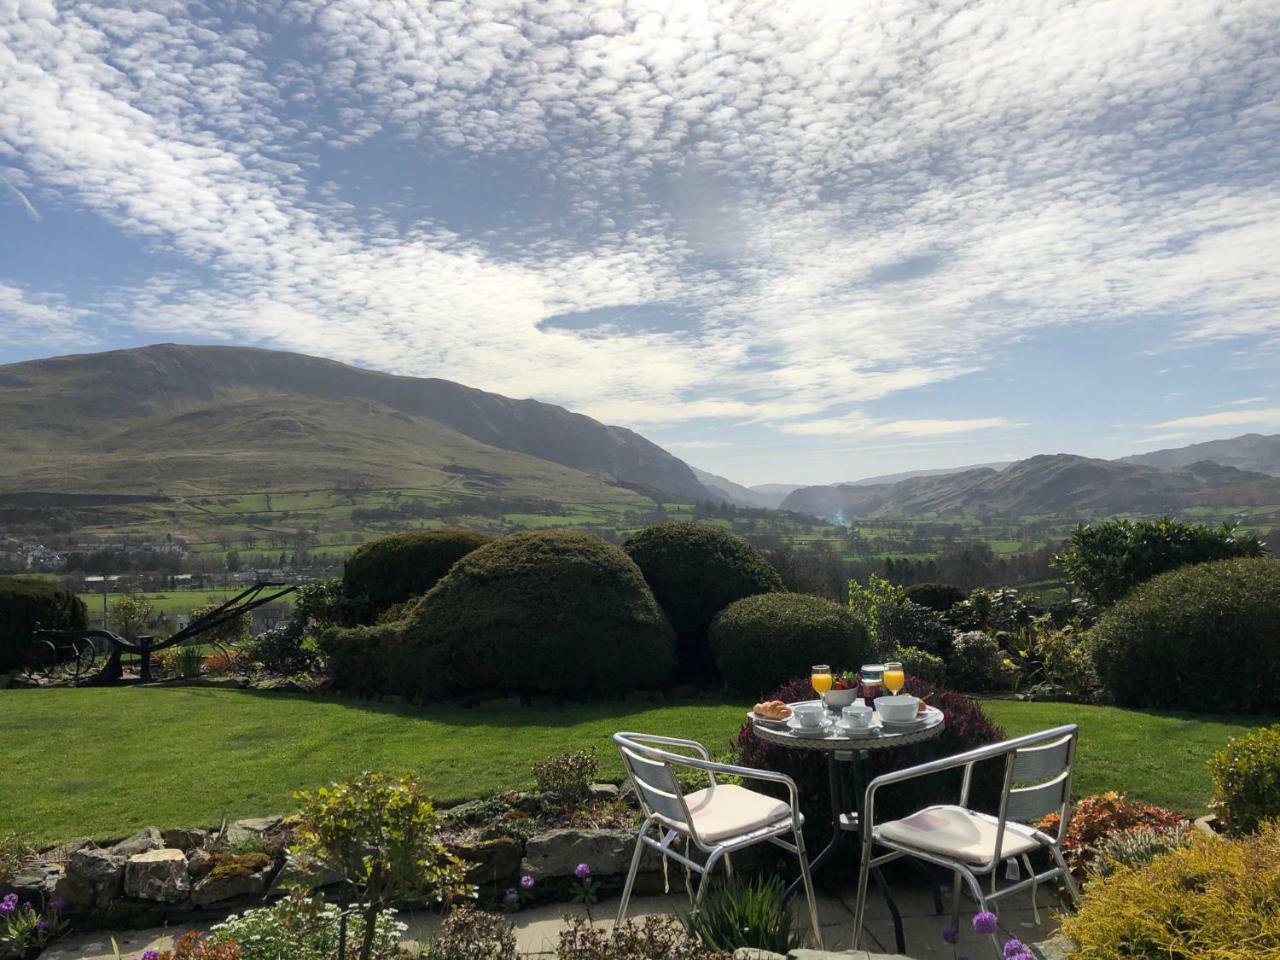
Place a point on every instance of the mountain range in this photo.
(1057, 484)
(1252, 451)
(197, 420)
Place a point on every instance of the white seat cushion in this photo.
(725, 811)
(958, 833)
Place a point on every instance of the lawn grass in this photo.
(104, 762)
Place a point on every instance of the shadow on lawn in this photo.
(570, 714)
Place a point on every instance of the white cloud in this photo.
(1261, 416)
(35, 318)
(857, 199)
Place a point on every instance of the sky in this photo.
(791, 242)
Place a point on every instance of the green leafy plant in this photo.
(920, 663)
(976, 663)
(1105, 561)
(759, 641)
(911, 625)
(383, 834)
(1211, 898)
(939, 597)
(470, 934)
(232, 632)
(283, 650)
(1246, 780)
(1160, 645)
(24, 926)
(131, 615)
(15, 849)
(745, 913)
(865, 601)
(189, 661)
(567, 776)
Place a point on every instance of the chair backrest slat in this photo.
(1028, 804)
(1036, 763)
(656, 784)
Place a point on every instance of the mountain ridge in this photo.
(104, 404)
(1250, 451)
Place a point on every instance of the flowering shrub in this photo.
(976, 663)
(1246, 779)
(652, 937)
(967, 727)
(192, 946)
(1136, 847)
(23, 926)
(302, 928)
(1097, 817)
(228, 662)
(469, 934)
(1212, 898)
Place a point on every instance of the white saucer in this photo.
(814, 732)
(857, 733)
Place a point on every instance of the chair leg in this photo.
(631, 877)
(981, 903)
(806, 878)
(864, 879)
(955, 899)
(1072, 890)
(706, 875)
(728, 866)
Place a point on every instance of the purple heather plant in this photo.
(985, 922)
(582, 872)
(526, 882)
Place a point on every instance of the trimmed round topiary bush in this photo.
(939, 597)
(695, 571)
(545, 612)
(1246, 780)
(390, 570)
(1167, 643)
(26, 602)
(759, 641)
(967, 727)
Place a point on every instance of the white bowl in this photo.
(809, 714)
(899, 709)
(838, 699)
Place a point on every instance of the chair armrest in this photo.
(746, 773)
(653, 738)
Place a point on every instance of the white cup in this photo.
(809, 714)
(857, 715)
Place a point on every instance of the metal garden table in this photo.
(848, 759)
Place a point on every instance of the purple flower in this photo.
(951, 935)
(57, 904)
(41, 923)
(9, 903)
(1014, 948)
(985, 922)
(151, 955)
(583, 872)
(527, 882)
(511, 896)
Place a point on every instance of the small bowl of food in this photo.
(899, 709)
(839, 699)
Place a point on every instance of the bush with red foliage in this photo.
(967, 727)
(1099, 816)
(192, 946)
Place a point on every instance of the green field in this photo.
(104, 762)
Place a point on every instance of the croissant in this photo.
(773, 709)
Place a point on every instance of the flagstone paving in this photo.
(538, 929)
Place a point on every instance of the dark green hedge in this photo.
(759, 642)
(939, 597)
(1200, 638)
(27, 601)
(696, 570)
(390, 570)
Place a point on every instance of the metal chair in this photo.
(1037, 782)
(719, 819)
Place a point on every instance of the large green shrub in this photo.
(758, 642)
(1106, 560)
(1202, 638)
(696, 570)
(26, 602)
(920, 663)
(545, 612)
(392, 569)
(975, 663)
(1246, 779)
(939, 597)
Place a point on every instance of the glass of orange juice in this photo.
(894, 677)
(820, 677)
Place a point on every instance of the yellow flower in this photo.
(1008, 663)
